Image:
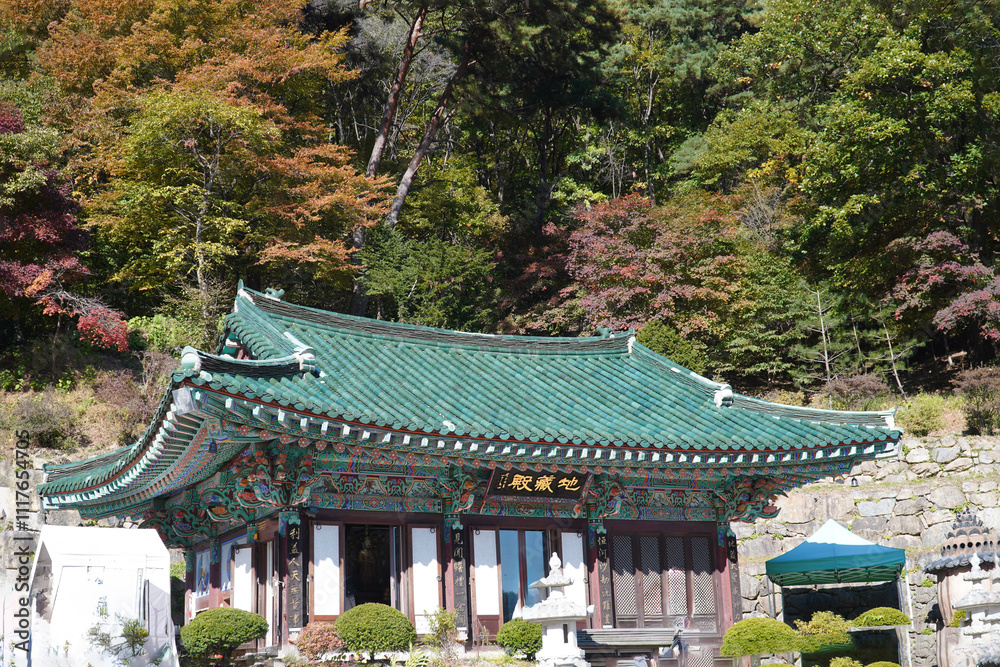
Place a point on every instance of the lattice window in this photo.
(652, 587)
(624, 576)
(676, 577)
(702, 582)
(660, 579)
(701, 658)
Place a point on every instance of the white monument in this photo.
(557, 615)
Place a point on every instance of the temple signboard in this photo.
(566, 486)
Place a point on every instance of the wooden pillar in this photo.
(189, 584)
(598, 543)
(459, 566)
(214, 573)
(290, 533)
(733, 566)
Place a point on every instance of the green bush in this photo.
(375, 628)
(518, 636)
(956, 618)
(220, 632)
(980, 390)
(759, 636)
(49, 419)
(177, 586)
(883, 663)
(664, 339)
(824, 629)
(922, 414)
(844, 661)
(880, 616)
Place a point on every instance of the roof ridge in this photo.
(269, 306)
(857, 417)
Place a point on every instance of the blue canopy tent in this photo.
(835, 555)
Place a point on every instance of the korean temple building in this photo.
(319, 461)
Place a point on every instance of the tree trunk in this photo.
(544, 188)
(394, 93)
(436, 120)
(359, 297)
(892, 360)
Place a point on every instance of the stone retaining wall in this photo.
(909, 503)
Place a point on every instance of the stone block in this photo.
(910, 507)
(796, 507)
(989, 485)
(870, 527)
(62, 518)
(934, 536)
(764, 546)
(868, 467)
(991, 518)
(879, 508)
(987, 456)
(948, 497)
(749, 587)
(837, 506)
(938, 516)
(924, 595)
(959, 465)
(983, 500)
(970, 486)
(946, 454)
(905, 525)
(904, 541)
(918, 455)
(742, 529)
(928, 469)
(890, 468)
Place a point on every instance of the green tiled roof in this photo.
(605, 390)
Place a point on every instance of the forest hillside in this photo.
(798, 197)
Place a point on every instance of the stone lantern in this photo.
(964, 586)
(557, 615)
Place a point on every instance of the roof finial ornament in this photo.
(724, 396)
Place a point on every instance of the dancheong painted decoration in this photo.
(317, 461)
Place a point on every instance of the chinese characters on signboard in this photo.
(567, 486)
(604, 579)
(459, 573)
(295, 598)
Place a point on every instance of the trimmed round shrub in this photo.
(374, 628)
(759, 636)
(220, 632)
(880, 616)
(519, 636)
(883, 663)
(824, 629)
(845, 661)
(317, 639)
